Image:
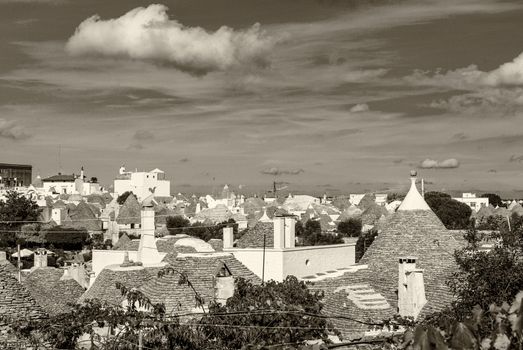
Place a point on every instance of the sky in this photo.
(325, 95)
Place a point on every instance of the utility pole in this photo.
(19, 264)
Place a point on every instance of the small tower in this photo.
(147, 250)
(40, 258)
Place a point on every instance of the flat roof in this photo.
(9, 165)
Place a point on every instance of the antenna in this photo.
(59, 158)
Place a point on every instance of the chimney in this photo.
(40, 258)
(279, 232)
(290, 235)
(223, 285)
(147, 251)
(82, 173)
(411, 288)
(228, 237)
(57, 214)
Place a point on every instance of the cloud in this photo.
(450, 163)
(143, 135)
(184, 160)
(486, 101)
(277, 171)
(52, 2)
(148, 34)
(360, 107)
(459, 136)
(515, 159)
(12, 131)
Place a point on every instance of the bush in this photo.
(363, 243)
(66, 238)
(454, 215)
(123, 197)
(350, 228)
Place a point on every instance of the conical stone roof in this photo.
(413, 231)
(15, 301)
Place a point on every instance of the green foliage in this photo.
(395, 197)
(179, 224)
(311, 235)
(13, 212)
(363, 243)
(176, 222)
(66, 238)
(276, 313)
(350, 228)
(123, 197)
(487, 277)
(454, 215)
(499, 326)
(493, 199)
(493, 222)
(256, 316)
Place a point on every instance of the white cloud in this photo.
(360, 107)
(10, 130)
(471, 77)
(149, 34)
(444, 164)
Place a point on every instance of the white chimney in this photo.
(147, 250)
(57, 214)
(40, 258)
(223, 285)
(279, 232)
(228, 237)
(411, 288)
(290, 233)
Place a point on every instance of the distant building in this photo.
(14, 175)
(69, 184)
(142, 183)
(475, 203)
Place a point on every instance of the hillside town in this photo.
(261, 175)
(67, 241)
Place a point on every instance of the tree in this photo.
(492, 222)
(15, 211)
(454, 215)
(350, 228)
(175, 224)
(363, 243)
(123, 197)
(486, 277)
(256, 316)
(311, 235)
(276, 313)
(493, 199)
(66, 238)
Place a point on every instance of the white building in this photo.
(142, 183)
(69, 184)
(475, 203)
(281, 258)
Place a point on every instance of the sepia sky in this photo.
(326, 94)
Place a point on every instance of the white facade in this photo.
(142, 184)
(62, 187)
(284, 259)
(472, 201)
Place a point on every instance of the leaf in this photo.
(463, 338)
(502, 342)
(436, 339)
(421, 340)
